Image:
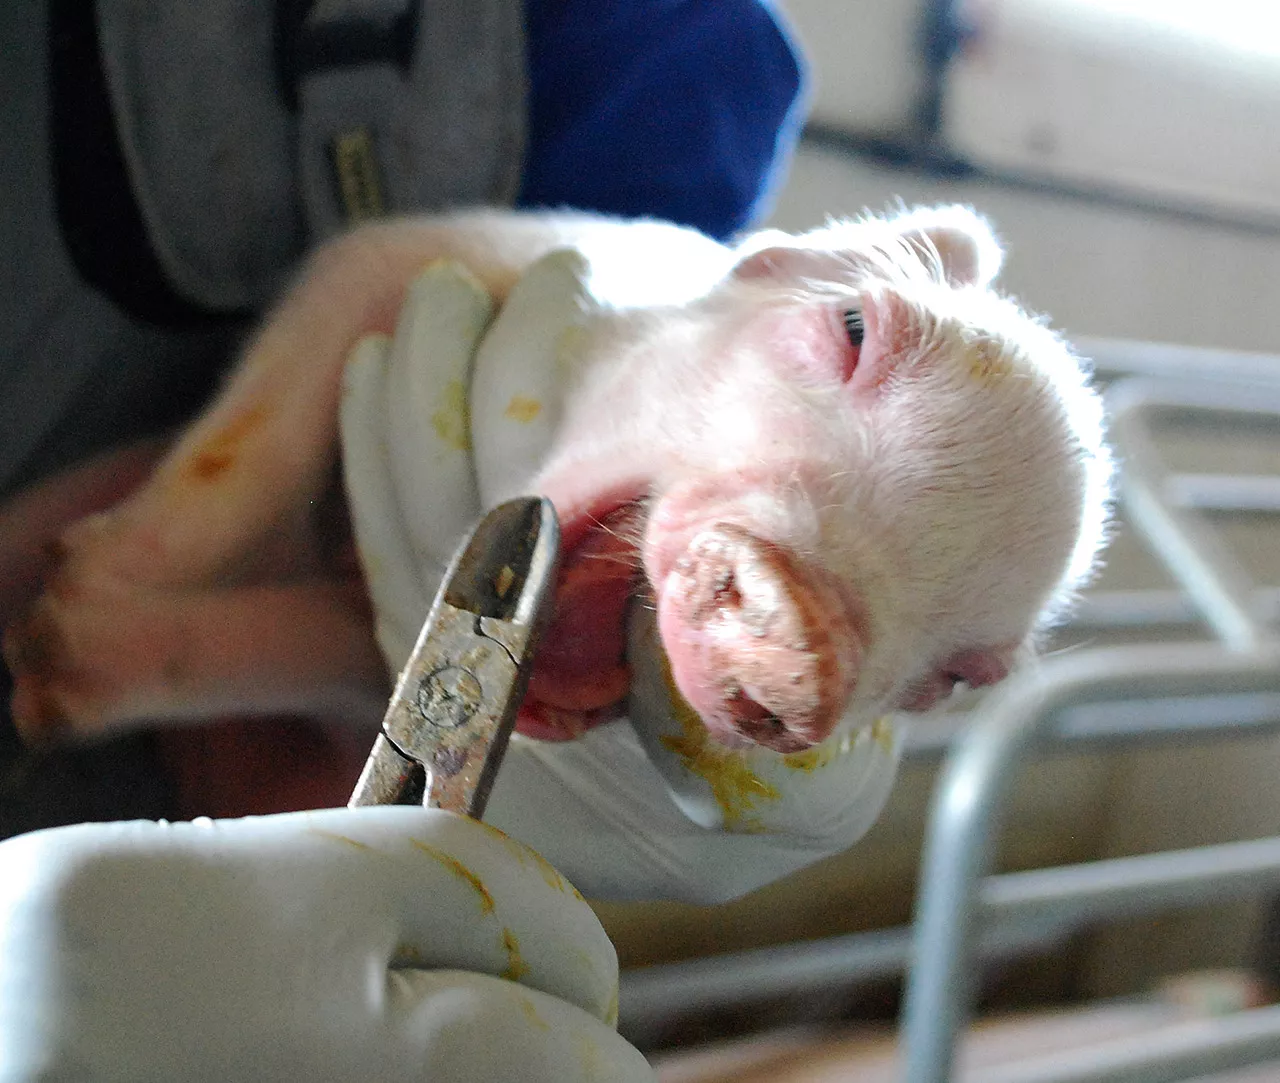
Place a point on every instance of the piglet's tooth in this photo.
(762, 648)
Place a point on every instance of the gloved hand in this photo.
(370, 944)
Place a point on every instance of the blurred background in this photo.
(1128, 156)
(1127, 150)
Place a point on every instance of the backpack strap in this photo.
(249, 134)
(406, 105)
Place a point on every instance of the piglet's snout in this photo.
(761, 647)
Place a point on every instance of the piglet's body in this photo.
(845, 473)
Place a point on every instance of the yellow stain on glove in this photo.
(736, 788)
(452, 422)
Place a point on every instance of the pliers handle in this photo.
(455, 703)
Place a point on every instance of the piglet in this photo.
(844, 473)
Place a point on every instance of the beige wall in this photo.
(1096, 269)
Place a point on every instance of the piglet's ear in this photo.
(969, 251)
(775, 255)
(959, 240)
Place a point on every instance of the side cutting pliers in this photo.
(455, 702)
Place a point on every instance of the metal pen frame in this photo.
(958, 899)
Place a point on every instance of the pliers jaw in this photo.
(449, 720)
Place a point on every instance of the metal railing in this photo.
(965, 915)
(958, 899)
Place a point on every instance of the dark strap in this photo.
(249, 134)
(405, 105)
(339, 63)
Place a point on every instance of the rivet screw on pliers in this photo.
(455, 703)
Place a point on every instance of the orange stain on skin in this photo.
(531, 1013)
(736, 788)
(452, 422)
(342, 838)
(987, 362)
(217, 455)
(521, 852)
(882, 733)
(810, 759)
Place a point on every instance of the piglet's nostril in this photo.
(725, 588)
(759, 724)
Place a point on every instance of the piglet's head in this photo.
(888, 478)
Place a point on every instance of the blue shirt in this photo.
(680, 109)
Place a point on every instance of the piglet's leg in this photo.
(93, 653)
(263, 454)
(32, 522)
(213, 586)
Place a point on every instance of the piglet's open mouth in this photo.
(580, 676)
(761, 647)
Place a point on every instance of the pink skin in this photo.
(33, 521)
(977, 669)
(783, 565)
(764, 647)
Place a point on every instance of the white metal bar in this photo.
(1256, 494)
(652, 997)
(1122, 609)
(1022, 912)
(1128, 886)
(1117, 358)
(1187, 1050)
(1191, 551)
(972, 793)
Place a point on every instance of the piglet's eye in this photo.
(854, 326)
(854, 330)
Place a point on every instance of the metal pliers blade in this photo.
(455, 703)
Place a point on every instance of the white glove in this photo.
(367, 944)
(654, 809)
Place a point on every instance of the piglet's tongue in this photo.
(580, 669)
